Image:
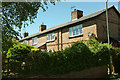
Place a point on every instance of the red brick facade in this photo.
(96, 25)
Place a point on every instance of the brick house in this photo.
(79, 28)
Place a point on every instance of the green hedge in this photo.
(79, 56)
(18, 51)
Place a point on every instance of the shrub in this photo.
(17, 54)
(100, 50)
(18, 51)
(79, 56)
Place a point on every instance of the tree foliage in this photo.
(15, 15)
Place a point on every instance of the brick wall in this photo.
(62, 39)
(95, 25)
(62, 35)
(41, 39)
(29, 42)
(113, 25)
(53, 44)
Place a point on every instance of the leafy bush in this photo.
(79, 56)
(100, 50)
(18, 51)
(17, 54)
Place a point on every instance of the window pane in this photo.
(77, 30)
(47, 37)
(80, 27)
(35, 42)
(74, 30)
(52, 36)
(70, 31)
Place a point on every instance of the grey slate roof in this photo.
(70, 22)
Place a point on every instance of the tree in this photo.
(15, 15)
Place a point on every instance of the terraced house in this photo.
(79, 28)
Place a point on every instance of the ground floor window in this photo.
(34, 41)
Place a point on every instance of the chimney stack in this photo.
(25, 34)
(76, 14)
(42, 27)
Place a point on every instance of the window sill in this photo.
(50, 41)
(81, 35)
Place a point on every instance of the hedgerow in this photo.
(79, 56)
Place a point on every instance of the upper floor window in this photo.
(75, 31)
(34, 41)
(25, 41)
(50, 37)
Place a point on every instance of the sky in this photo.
(61, 13)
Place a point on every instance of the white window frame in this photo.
(33, 41)
(75, 27)
(50, 37)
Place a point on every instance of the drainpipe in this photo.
(58, 39)
(61, 41)
(110, 56)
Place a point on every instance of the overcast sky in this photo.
(61, 13)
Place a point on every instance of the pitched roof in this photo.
(71, 22)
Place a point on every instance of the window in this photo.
(70, 31)
(25, 41)
(80, 29)
(50, 37)
(75, 31)
(34, 41)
